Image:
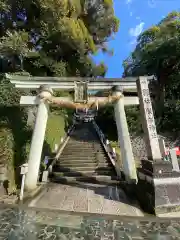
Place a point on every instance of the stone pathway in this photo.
(86, 198)
(20, 223)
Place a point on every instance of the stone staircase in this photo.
(84, 159)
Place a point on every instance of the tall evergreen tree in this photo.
(56, 37)
(158, 53)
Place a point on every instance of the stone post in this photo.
(129, 167)
(37, 141)
(174, 160)
(148, 122)
(162, 147)
(156, 179)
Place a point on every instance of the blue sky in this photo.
(135, 16)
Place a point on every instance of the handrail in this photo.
(108, 149)
(103, 141)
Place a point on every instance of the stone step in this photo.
(78, 158)
(89, 144)
(73, 169)
(67, 148)
(82, 149)
(79, 152)
(72, 158)
(93, 150)
(65, 160)
(82, 161)
(83, 132)
(88, 141)
(82, 157)
(76, 161)
(76, 149)
(102, 180)
(86, 168)
(80, 164)
(84, 173)
(84, 146)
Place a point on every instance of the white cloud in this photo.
(134, 32)
(133, 42)
(129, 1)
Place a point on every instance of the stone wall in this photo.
(139, 147)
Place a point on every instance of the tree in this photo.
(46, 37)
(158, 53)
(57, 37)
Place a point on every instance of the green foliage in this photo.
(9, 96)
(4, 7)
(13, 131)
(157, 49)
(106, 121)
(56, 37)
(55, 129)
(134, 120)
(46, 38)
(158, 53)
(171, 118)
(6, 154)
(14, 135)
(14, 43)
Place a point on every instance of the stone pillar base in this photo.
(158, 188)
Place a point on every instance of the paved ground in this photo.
(86, 198)
(20, 223)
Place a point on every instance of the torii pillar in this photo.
(37, 140)
(129, 167)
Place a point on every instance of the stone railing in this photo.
(108, 149)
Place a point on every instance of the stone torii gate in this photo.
(46, 85)
(158, 187)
